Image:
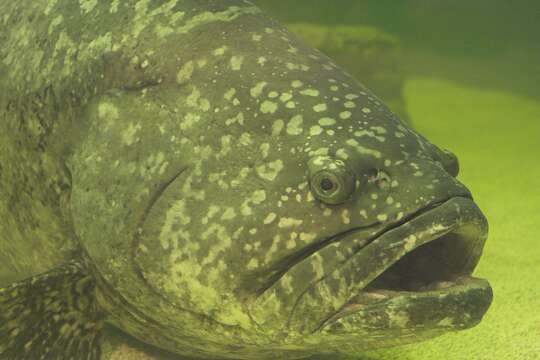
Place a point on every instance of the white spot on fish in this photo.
(292, 66)
(269, 218)
(270, 170)
(326, 121)
(307, 236)
(229, 94)
(185, 72)
(410, 242)
(257, 90)
(285, 97)
(277, 127)
(345, 115)
(345, 217)
(268, 107)
(290, 105)
(291, 243)
(245, 139)
(253, 263)
(228, 214)
(362, 149)
(315, 130)
(310, 92)
(294, 126)
(220, 51)
(265, 147)
(236, 62)
(128, 136)
(258, 196)
(320, 108)
(342, 153)
(287, 222)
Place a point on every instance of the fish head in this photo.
(252, 196)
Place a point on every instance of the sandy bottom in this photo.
(496, 136)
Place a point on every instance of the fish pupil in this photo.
(327, 184)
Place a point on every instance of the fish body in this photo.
(201, 178)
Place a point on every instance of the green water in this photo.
(472, 85)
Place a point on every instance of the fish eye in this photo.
(327, 184)
(330, 180)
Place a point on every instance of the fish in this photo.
(195, 175)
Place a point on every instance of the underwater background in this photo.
(466, 74)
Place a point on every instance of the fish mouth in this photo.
(422, 279)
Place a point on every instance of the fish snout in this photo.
(419, 184)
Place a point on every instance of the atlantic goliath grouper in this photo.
(192, 173)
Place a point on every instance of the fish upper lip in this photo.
(424, 209)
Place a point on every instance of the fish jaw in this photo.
(442, 306)
(421, 287)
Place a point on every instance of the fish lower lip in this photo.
(445, 305)
(423, 273)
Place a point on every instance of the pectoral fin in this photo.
(51, 316)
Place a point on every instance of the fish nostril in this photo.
(450, 162)
(380, 178)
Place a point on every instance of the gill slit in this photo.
(136, 242)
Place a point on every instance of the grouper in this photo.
(198, 177)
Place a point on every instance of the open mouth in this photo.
(424, 275)
(433, 265)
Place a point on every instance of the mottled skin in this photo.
(174, 146)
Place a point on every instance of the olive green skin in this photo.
(169, 145)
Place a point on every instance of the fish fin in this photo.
(51, 316)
